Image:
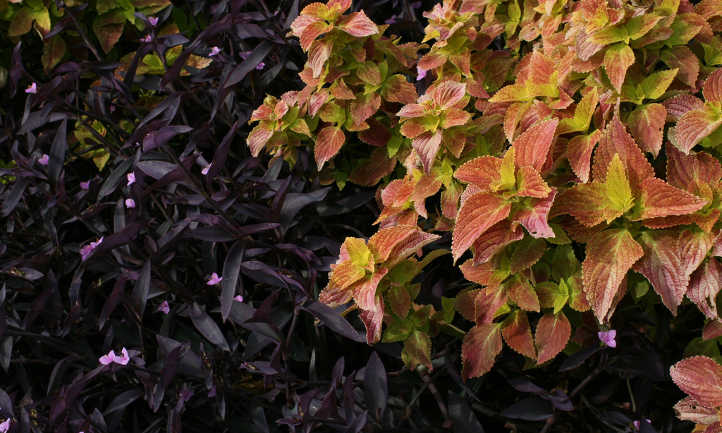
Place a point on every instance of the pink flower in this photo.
(131, 178)
(214, 51)
(205, 170)
(88, 249)
(153, 21)
(637, 424)
(164, 307)
(129, 203)
(44, 159)
(260, 66)
(420, 73)
(608, 337)
(32, 89)
(215, 279)
(146, 38)
(111, 357)
(85, 185)
(238, 298)
(5, 426)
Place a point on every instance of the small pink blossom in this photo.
(44, 159)
(608, 337)
(131, 178)
(129, 203)
(147, 38)
(5, 426)
(32, 89)
(244, 55)
(260, 66)
(88, 249)
(85, 185)
(637, 424)
(205, 170)
(420, 73)
(164, 307)
(153, 21)
(111, 357)
(238, 298)
(215, 279)
(214, 51)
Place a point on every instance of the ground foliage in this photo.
(240, 246)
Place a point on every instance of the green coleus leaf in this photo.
(108, 28)
(582, 114)
(397, 330)
(417, 351)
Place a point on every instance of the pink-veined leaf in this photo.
(617, 59)
(494, 240)
(523, 294)
(701, 378)
(616, 140)
(484, 274)
(427, 146)
(531, 184)
(411, 110)
(686, 61)
(610, 254)
(398, 242)
(712, 330)
(397, 89)
(455, 117)
(477, 214)
(397, 192)
(660, 199)
(517, 334)
(316, 10)
(311, 31)
(535, 219)
(678, 105)
(712, 87)
(482, 172)
(318, 55)
(693, 127)
(328, 143)
(364, 292)
(258, 138)
(373, 320)
(687, 171)
(447, 93)
(339, 6)
(663, 267)
(704, 286)
(551, 336)
(579, 153)
(647, 125)
(357, 24)
(532, 146)
(688, 409)
(479, 350)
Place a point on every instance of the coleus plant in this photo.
(565, 161)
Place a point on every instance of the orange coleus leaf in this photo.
(397, 89)
(535, 218)
(258, 138)
(663, 267)
(660, 199)
(579, 153)
(370, 172)
(530, 183)
(688, 409)
(482, 172)
(712, 87)
(394, 244)
(647, 125)
(477, 214)
(551, 336)
(686, 61)
(704, 286)
(532, 146)
(610, 254)
(523, 294)
(478, 351)
(364, 292)
(427, 146)
(328, 143)
(701, 378)
(712, 330)
(397, 192)
(494, 240)
(357, 24)
(689, 171)
(454, 117)
(318, 55)
(309, 30)
(616, 140)
(446, 94)
(617, 59)
(412, 110)
(693, 126)
(517, 334)
(362, 108)
(486, 303)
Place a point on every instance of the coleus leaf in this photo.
(532, 146)
(610, 254)
(678, 105)
(318, 56)
(689, 171)
(372, 320)
(523, 294)
(447, 94)
(328, 143)
(482, 172)
(704, 286)
(654, 85)
(617, 59)
(364, 292)
(701, 378)
(357, 24)
(258, 138)
(427, 146)
(531, 184)
(551, 336)
(582, 114)
(477, 214)
(688, 409)
(616, 140)
(517, 334)
(693, 126)
(417, 350)
(660, 199)
(497, 237)
(663, 267)
(712, 87)
(579, 153)
(394, 244)
(647, 125)
(686, 61)
(478, 351)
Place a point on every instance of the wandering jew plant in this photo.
(576, 159)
